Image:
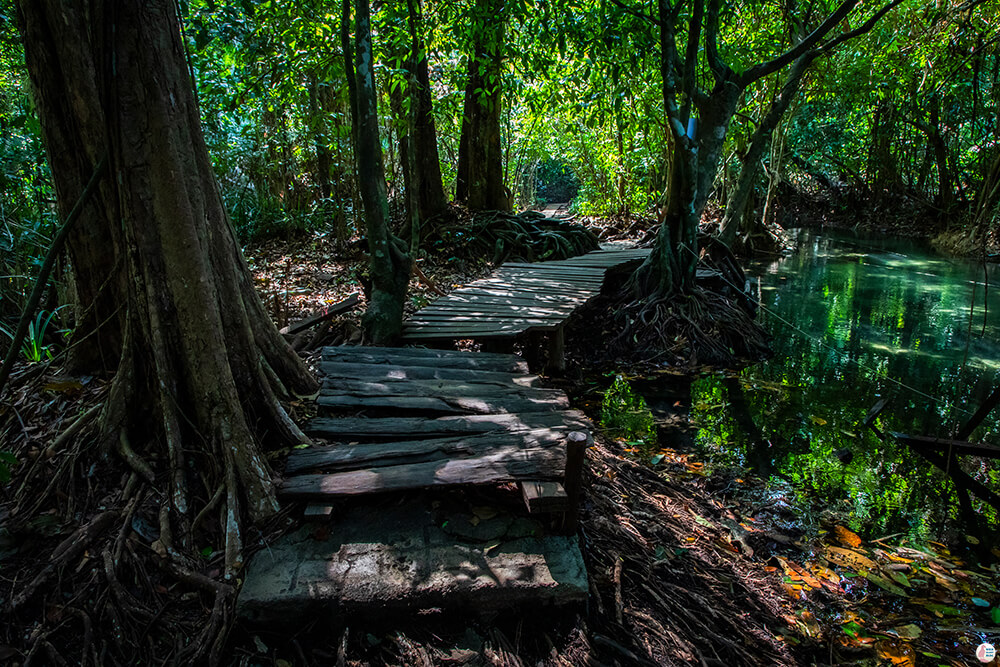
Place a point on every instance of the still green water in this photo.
(855, 320)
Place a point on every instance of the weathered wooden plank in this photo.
(336, 458)
(520, 319)
(422, 352)
(506, 466)
(357, 428)
(497, 307)
(532, 284)
(455, 405)
(339, 369)
(437, 388)
(435, 336)
(578, 276)
(473, 330)
(540, 497)
(396, 357)
(323, 314)
(529, 295)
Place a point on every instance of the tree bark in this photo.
(480, 163)
(736, 207)
(201, 366)
(431, 200)
(390, 264)
(68, 87)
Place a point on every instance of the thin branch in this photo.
(689, 79)
(719, 68)
(634, 12)
(860, 30)
(763, 69)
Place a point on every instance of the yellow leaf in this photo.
(819, 421)
(851, 559)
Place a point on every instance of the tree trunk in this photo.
(201, 367)
(735, 208)
(318, 92)
(75, 135)
(481, 159)
(431, 200)
(390, 265)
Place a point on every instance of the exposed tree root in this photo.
(709, 325)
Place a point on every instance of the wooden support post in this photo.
(498, 345)
(557, 350)
(576, 454)
(317, 512)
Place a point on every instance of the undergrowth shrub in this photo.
(624, 414)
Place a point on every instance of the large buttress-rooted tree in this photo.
(201, 367)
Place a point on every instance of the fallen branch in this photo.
(68, 549)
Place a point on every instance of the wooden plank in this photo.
(473, 330)
(437, 388)
(421, 352)
(501, 467)
(985, 409)
(945, 445)
(377, 455)
(454, 405)
(340, 369)
(323, 314)
(403, 427)
(490, 317)
(529, 296)
(481, 361)
(540, 497)
(486, 309)
(498, 315)
(961, 479)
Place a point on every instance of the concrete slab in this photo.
(407, 557)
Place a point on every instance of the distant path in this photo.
(555, 210)
(518, 298)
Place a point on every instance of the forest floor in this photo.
(687, 565)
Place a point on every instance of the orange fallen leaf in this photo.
(846, 537)
(897, 652)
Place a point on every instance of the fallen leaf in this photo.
(898, 653)
(851, 559)
(884, 584)
(846, 537)
(909, 631)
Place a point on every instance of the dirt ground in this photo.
(686, 565)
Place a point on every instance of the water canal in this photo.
(854, 320)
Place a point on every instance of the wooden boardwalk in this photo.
(518, 298)
(434, 418)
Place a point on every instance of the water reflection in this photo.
(855, 320)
